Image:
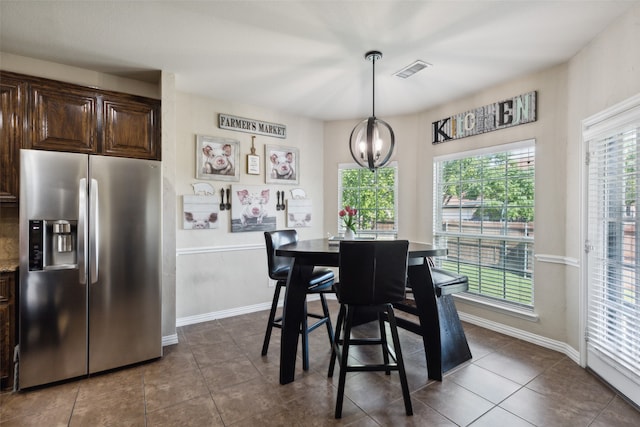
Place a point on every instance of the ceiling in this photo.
(307, 57)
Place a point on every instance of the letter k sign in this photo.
(439, 132)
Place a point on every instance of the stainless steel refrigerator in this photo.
(90, 267)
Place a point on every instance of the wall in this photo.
(549, 132)
(415, 154)
(75, 75)
(604, 73)
(219, 272)
(168, 83)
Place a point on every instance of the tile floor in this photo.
(215, 376)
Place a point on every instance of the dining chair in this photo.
(372, 277)
(321, 283)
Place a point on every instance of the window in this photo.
(484, 205)
(373, 194)
(612, 141)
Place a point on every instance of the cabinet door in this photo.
(11, 133)
(7, 328)
(63, 118)
(131, 127)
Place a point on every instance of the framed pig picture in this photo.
(217, 158)
(252, 208)
(200, 212)
(299, 213)
(281, 165)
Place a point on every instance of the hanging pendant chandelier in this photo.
(372, 140)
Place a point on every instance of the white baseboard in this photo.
(549, 343)
(170, 340)
(206, 317)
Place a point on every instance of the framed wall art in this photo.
(281, 165)
(299, 213)
(253, 160)
(217, 158)
(252, 208)
(199, 212)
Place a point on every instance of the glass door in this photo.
(613, 255)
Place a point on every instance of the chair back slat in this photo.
(372, 272)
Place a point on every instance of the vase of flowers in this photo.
(348, 215)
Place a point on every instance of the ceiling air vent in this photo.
(411, 69)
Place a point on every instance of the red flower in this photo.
(348, 215)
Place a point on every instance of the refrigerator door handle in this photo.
(82, 230)
(94, 231)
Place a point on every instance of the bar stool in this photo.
(372, 277)
(321, 283)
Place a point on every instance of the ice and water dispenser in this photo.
(52, 244)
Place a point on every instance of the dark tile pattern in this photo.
(216, 377)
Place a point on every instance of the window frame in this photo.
(378, 234)
(439, 235)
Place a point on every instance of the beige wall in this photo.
(415, 154)
(81, 76)
(605, 72)
(218, 270)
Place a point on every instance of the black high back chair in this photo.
(373, 276)
(321, 282)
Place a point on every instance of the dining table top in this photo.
(326, 252)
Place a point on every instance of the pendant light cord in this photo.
(373, 90)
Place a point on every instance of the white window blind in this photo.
(613, 234)
(373, 194)
(484, 208)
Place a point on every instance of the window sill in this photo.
(498, 307)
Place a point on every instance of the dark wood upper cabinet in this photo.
(51, 115)
(12, 116)
(131, 127)
(46, 114)
(63, 118)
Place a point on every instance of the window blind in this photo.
(484, 212)
(373, 194)
(613, 315)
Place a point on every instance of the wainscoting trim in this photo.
(213, 249)
(555, 259)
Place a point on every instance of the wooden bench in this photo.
(453, 342)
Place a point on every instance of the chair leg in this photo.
(403, 375)
(385, 344)
(305, 339)
(327, 314)
(343, 361)
(336, 340)
(272, 316)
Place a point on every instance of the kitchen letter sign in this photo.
(518, 110)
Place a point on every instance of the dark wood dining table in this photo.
(440, 331)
